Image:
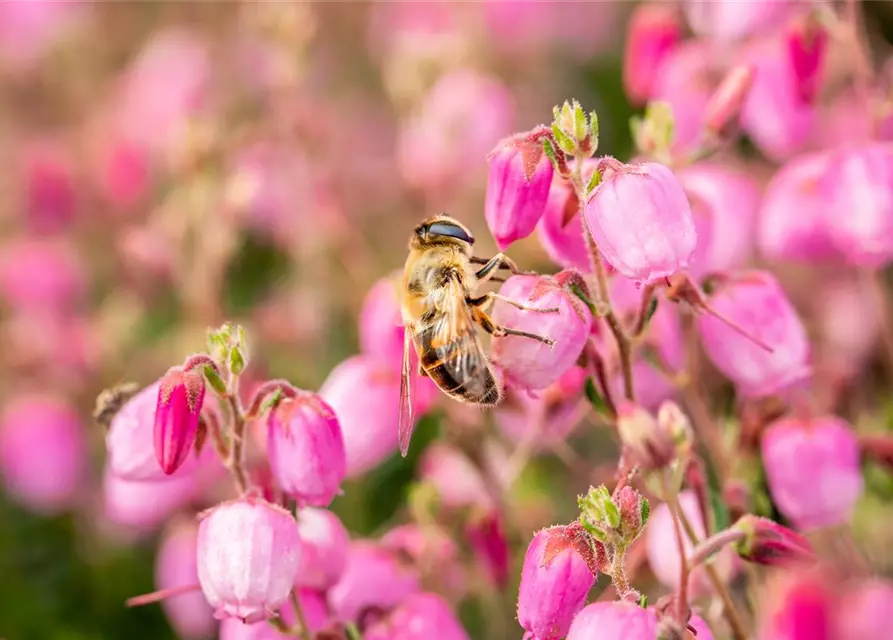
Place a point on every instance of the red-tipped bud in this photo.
(486, 535)
(518, 188)
(725, 104)
(807, 42)
(769, 543)
(177, 412)
(654, 31)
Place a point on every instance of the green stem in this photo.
(236, 462)
(304, 631)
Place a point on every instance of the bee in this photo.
(441, 311)
(110, 401)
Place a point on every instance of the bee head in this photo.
(441, 230)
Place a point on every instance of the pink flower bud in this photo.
(863, 612)
(177, 413)
(812, 469)
(770, 543)
(41, 275)
(560, 230)
(42, 453)
(797, 606)
(324, 542)
(642, 223)
(654, 30)
(756, 303)
(130, 440)
(724, 20)
(559, 570)
(419, 617)
(487, 537)
(49, 183)
(248, 554)
(794, 222)
(444, 146)
(725, 105)
(807, 41)
(650, 446)
(547, 418)
(614, 621)
(663, 551)
(315, 611)
(528, 363)
(860, 182)
(176, 565)
(366, 398)
(457, 480)
(517, 189)
(139, 507)
(778, 121)
(725, 202)
(372, 578)
(306, 450)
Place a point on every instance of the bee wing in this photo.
(405, 424)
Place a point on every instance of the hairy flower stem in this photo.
(670, 496)
(730, 611)
(642, 319)
(603, 298)
(236, 462)
(304, 631)
(715, 543)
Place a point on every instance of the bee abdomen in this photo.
(477, 387)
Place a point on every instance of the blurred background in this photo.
(171, 165)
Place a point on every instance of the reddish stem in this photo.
(162, 594)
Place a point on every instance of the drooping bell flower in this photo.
(528, 363)
(725, 202)
(177, 414)
(419, 617)
(248, 556)
(807, 42)
(324, 544)
(724, 20)
(813, 470)
(654, 30)
(372, 578)
(177, 566)
(642, 222)
(559, 570)
(614, 621)
(487, 537)
(517, 188)
(774, 115)
(757, 305)
(305, 449)
(313, 604)
(794, 221)
(860, 188)
(43, 453)
(560, 230)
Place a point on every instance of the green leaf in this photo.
(236, 361)
(594, 180)
(214, 379)
(550, 152)
(593, 127)
(578, 291)
(595, 398)
(612, 513)
(581, 129)
(645, 511)
(643, 601)
(564, 141)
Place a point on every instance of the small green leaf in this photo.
(550, 152)
(593, 127)
(645, 511)
(564, 142)
(578, 291)
(581, 129)
(643, 601)
(236, 362)
(214, 379)
(612, 513)
(270, 401)
(595, 398)
(594, 180)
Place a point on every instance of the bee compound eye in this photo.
(450, 230)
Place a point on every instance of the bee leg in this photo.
(499, 261)
(498, 331)
(488, 298)
(422, 372)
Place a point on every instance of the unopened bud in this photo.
(574, 133)
(177, 412)
(634, 512)
(725, 105)
(616, 520)
(650, 446)
(770, 543)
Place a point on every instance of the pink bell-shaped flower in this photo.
(813, 470)
(614, 621)
(305, 449)
(419, 617)
(324, 544)
(642, 222)
(528, 363)
(517, 188)
(177, 414)
(756, 303)
(248, 556)
(313, 604)
(558, 572)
